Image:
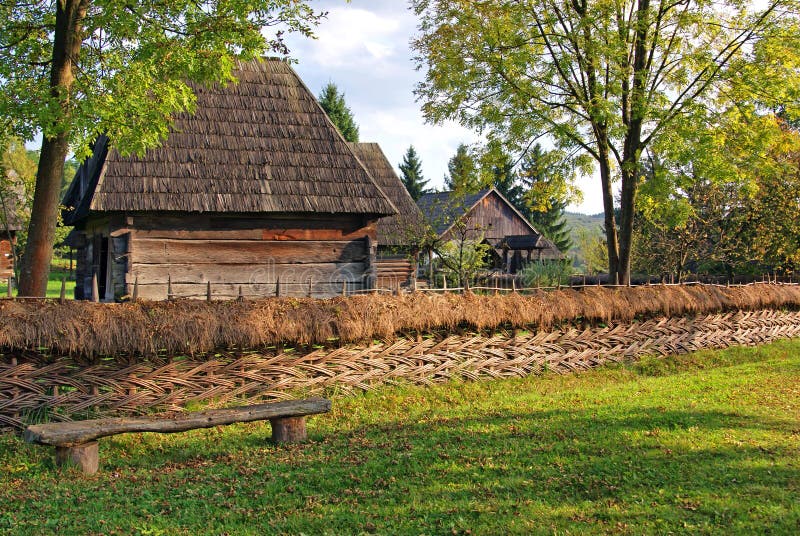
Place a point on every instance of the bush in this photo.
(546, 273)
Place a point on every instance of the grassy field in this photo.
(707, 443)
(53, 283)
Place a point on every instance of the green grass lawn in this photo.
(53, 284)
(707, 443)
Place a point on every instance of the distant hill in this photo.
(578, 223)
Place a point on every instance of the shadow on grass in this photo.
(647, 471)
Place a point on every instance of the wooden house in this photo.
(488, 215)
(9, 224)
(399, 236)
(256, 192)
(8, 239)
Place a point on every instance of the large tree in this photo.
(411, 168)
(73, 69)
(724, 200)
(600, 78)
(332, 101)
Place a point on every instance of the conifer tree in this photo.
(332, 101)
(463, 176)
(412, 178)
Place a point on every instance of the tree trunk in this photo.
(608, 208)
(55, 147)
(633, 142)
(627, 206)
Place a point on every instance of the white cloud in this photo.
(351, 37)
(363, 47)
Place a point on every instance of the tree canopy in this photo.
(332, 101)
(603, 80)
(74, 69)
(411, 170)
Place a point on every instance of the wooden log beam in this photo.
(70, 434)
(152, 251)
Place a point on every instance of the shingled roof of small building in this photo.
(443, 209)
(262, 144)
(407, 225)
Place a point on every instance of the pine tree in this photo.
(463, 172)
(550, 222)
(334, 105)
(506, 180)
(411, 167)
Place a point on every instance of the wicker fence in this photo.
(33, 388)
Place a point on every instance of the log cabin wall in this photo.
(393, 269)
(309, 254)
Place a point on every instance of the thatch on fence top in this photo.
(405, 227)
(173, 328)
(262, 144)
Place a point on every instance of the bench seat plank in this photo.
(70, 434)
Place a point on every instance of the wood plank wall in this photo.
(314, 254)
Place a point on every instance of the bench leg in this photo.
(288, 430)
(85, 457)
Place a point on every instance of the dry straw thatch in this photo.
(64, 388)
(88, 330)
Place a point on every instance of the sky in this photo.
(364, 48)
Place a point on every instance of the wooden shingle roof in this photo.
(406, 226)
(443, 209)
(262, 144)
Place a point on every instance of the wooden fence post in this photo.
(344, 288)
(10, 290)
(278, 287)
(95, 290)
(63, 297)
(241, 294)
(310, 286)
(208, 290)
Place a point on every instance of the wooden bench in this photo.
(76, 442)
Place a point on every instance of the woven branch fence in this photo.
(64, 388)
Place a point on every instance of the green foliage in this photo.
(723, 201)
(463, 259)
(463, 172)
(500, 172)
(17, 182)
(602, 80)
(334, 105)
(546, 273)
(553, 224)
(134, 65)
(704, 443)
(593, 252)
(411, 169)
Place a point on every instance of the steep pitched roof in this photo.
(443, 209)
(396, 230)
(263, 144)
